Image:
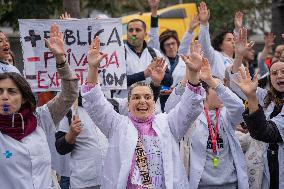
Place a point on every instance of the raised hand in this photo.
(241, 45)
(206, 74)
(94, 56)
(238, 20)
(194, 60)
(65, 16)
(193, 23)
(203, 13)
(247, 86)
(157, 72)
(147, 71)
(56, 43)
(205, 71)
(154, 4)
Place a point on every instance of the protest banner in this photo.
(39, 63)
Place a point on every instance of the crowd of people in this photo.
(196, 114)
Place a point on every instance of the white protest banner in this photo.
(39, 63)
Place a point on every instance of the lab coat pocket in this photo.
(85, 172)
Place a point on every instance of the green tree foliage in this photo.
(12, 10)
(222, 11)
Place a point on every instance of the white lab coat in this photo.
(261, 94)
(8, 68)
(86, 160)
(29, 166)
(218, 61)
(59, 163)
(135, 64)
(123, 137)
(253, 150)
(180, 68)
(230, 116)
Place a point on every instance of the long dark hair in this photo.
(24, 87)
(273, 95)
(218, 40)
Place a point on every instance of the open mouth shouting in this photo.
(142, 109)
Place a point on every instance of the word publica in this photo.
(75, 37)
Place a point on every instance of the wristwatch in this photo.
(61, 65)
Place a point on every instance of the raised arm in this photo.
(154, 29)
(60, 105)
(241, 48)
(188, 35)
(238, 22)
(268, 43)
(97, 106)
(204, 35)
(191, 104)
(234, 105)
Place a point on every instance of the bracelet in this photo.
(194, 85)
(61, 65)
(90, 83)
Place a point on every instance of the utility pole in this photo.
(72, 7)
(278, 20)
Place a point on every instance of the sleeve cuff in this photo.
(255, 115)
(66, 73)
(196, 89)
(86, 88)
(154, 22)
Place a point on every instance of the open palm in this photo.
(203, 12)
(194, 60)
(157, 72)
(205, 71)
(94, 56)
(238, 20)
(247, 86)
(55, 42)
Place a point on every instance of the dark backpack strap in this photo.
(152, 52)
(114, 103)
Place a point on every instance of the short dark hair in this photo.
(137, 20)
(165, 35)
(218, 40)
(24, 87)
(138, 84)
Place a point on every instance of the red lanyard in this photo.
(213, 137)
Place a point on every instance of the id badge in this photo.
(215, 162)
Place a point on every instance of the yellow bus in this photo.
(175, 17)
